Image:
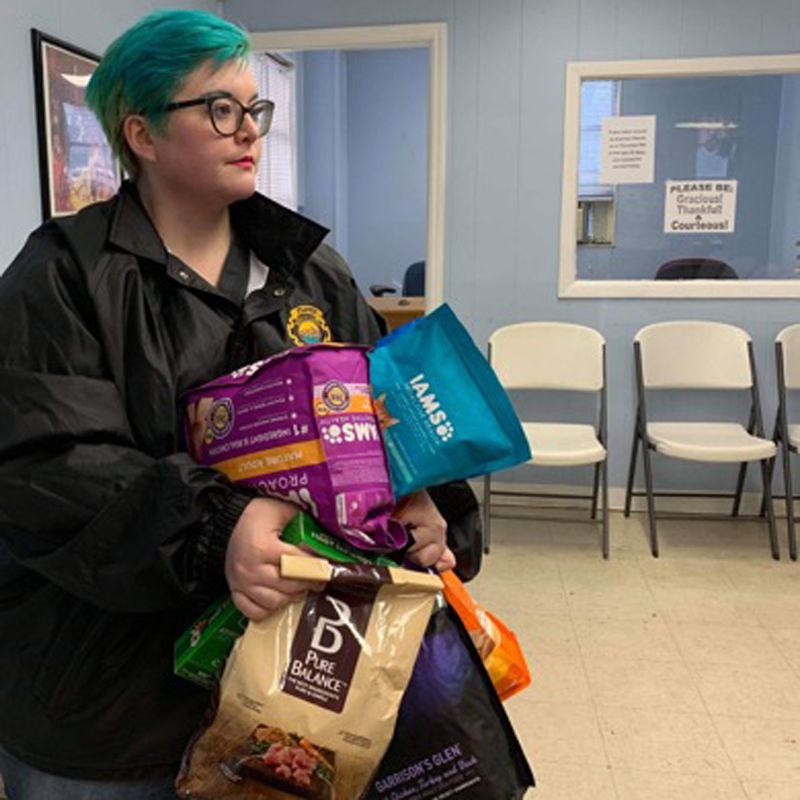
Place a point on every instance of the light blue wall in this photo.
(364, 128)
(387, 146)
(88, 24)
(322, 133)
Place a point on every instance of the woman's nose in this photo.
(249, 128)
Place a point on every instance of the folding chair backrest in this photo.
(789, 340)
(688, 354)
(548, 355)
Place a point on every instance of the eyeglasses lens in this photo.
(227, 115)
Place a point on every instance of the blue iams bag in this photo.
(445, 415)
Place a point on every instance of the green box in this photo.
(201, 651)
(305, 531)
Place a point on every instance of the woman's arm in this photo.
(80, 503)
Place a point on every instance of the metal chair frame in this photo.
(780, 436)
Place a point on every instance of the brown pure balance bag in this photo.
(309, 697)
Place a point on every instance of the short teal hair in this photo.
(144, 68)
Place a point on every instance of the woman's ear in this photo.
(139, 138)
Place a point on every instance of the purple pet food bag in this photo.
(301, 426)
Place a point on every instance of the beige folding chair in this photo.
(698, 355)
(787, 435)
(555, 356)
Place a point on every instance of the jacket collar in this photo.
(279, 237)
(131, 228)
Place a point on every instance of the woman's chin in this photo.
(242, 188)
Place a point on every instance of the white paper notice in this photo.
(627, 149)
(700, 206)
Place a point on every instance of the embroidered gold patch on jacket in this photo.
(307, 325)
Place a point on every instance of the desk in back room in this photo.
(398, 310)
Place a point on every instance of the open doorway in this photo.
(358, 59)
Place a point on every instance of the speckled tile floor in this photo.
(676, 677)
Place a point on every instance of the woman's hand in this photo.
(252, 561)
(429, 529)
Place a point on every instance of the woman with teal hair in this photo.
(112, 539)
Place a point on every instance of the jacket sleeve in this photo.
(80, 505)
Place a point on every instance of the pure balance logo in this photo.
(435, 414)
(327, 638)
(349, 432)
(326, 646)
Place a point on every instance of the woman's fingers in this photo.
(427, 555)
(446, 561)
(259, 601)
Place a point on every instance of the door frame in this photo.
(432, 35)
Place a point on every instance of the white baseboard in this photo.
(751, 501)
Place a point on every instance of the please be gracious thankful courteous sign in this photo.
(700, 206)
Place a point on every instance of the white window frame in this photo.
(432, 35)
(569, 285)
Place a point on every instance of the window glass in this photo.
(277, 172)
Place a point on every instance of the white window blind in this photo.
(277, 172)
(598, 99)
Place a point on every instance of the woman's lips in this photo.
(245, 163)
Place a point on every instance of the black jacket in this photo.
(111, 538)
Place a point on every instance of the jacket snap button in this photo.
(279, 292)
(183, 274)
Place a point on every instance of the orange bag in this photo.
(497, 645)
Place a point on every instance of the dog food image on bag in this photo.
(301, 426)
(284, 761)
(309, 697)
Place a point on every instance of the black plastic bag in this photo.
(453, 738)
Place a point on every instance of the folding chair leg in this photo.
(737, 497)
(631, 472)
(773, 533)
(775, 438)
(487, 513)
(762, 511)
(606, 543)
(651, 501)
(594, 489)
(787, 488)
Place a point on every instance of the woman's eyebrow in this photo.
(225, 93)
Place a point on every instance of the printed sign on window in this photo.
(627, 149)
(700, 206)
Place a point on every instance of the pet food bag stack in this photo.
(312, 697)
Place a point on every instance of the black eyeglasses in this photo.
(227, 113)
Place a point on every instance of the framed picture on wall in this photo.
(76, 164)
